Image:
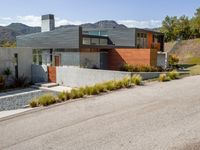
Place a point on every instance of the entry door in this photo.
(104, 60)
(57, 60)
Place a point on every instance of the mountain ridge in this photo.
(9, 33)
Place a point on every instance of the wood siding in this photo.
(118, 57)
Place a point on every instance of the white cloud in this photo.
(32, 20)
(29, 20)
(141, 24)
(60, 22)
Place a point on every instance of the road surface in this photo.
(157, 116)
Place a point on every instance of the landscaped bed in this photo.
(49, 99)
(12, 100)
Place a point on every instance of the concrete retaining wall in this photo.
(76, 77)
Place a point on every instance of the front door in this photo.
(57, 60)
(104, 60)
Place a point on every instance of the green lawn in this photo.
(195, 70)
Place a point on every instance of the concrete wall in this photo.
(162, 59)
(77, 77)
(24, 60)
(39, 73)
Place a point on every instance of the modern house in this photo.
(92, 48)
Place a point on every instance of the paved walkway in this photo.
(158, 116)
(12, 112)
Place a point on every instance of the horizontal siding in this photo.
(122, 37)
(119, 37)
(60, 38)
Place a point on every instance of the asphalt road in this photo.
(157, 116)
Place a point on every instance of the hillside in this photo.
(188, 51)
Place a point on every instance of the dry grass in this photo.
(195, 70)
(188, 51)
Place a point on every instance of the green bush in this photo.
(140, 68)
(46, 100)
(110, 86)
(76, 93)
(34, 103)
(88, 90)
(101, 87)
(62, 96)
(119, 84)
(173, 75)
(164, 78)
(126, 82)
(136, 79)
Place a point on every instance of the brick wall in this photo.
(119, 56)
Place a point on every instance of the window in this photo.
(95, 41)
(103, 42)
(86, 41)
(142, 40)
(37, 57)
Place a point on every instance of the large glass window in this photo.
(86, 41)
(37, 57)
(142, 40)
(95, 41)
(103, 42)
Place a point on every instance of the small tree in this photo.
(7, 72)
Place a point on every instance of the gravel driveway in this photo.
(157, 116)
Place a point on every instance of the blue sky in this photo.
(133, 13)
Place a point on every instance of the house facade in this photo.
(92, 48)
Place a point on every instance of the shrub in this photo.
(76, 93)
(136, 79)
(110, 85)
(173, 75)
(21, 81)
(173, 59)
(46, 100)
(119, 84)
(140, 68)
(62, 96)
(7, 72)
(163, 78)
(126, 82)
(88, 90)
(101, 87)
(34, 103)
(73, 94)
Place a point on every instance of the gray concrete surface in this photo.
(24, 60)
(157, 116)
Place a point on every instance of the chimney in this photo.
(48, 23)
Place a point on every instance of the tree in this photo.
(195, 24)
(6, 43)
(167, 28)
(182, 28)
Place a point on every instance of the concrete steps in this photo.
(46, 85)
